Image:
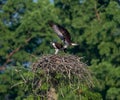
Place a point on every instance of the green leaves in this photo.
(3, 89)
(108, 78)
(32, 27)
(113, 93)
(94, 25)
(105, 48)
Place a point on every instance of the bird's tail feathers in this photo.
(74, 44)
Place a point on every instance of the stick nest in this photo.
(67, 65)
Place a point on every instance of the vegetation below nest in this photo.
(24, 31)
(48, 76)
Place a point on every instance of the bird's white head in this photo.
(52, 43)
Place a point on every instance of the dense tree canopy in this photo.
(25, 35)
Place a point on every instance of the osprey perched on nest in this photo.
(57, 47)
(63, 34)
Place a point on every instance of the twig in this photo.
(96, 12)
(66, 65)
(8, 59)
(17, 84)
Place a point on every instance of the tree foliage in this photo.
(25, 34)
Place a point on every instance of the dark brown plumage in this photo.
(62, 33)
(57, 47)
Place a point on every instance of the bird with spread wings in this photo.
(63, 34)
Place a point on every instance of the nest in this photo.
(67, 65)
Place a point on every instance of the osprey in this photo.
(63, 34)
(57, 47)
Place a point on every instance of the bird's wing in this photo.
(65, 33)
(57, 30)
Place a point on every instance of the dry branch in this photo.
(97, 13)
(9, 56)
